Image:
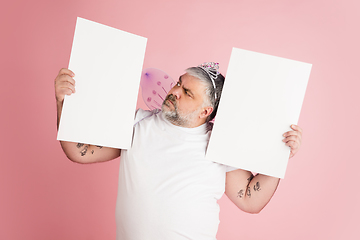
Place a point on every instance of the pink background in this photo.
(45, 196)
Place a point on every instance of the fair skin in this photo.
(248, 192)
(188, 97)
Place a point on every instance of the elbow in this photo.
(70, 153)
(75, 159)
(252, 209)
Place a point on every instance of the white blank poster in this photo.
(107, 63)
(261, 98)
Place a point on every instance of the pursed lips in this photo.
(171, 102)
(168, 98)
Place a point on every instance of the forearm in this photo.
(250, 195)
(259, 191)
(86, 153)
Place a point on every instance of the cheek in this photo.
(188, 105)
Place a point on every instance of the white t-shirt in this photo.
(167, 189)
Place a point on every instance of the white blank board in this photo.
(107, 63)
(261, 98)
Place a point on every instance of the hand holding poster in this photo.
(107, 63)
(261, 98)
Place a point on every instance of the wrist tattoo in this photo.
(257, 186)
(240, 193)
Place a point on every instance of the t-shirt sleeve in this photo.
(229, 168)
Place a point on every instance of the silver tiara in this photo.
(212, 69)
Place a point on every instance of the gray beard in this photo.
(174, 115)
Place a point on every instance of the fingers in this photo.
(293, 144)
(293, 139)
(297, 133)
(67, 86)
(296, 128)
(64, 84)
(66, 71)
(294, 147)
(65, 75)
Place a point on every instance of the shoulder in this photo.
(142, 114)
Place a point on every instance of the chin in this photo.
(164, 108)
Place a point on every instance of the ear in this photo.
(206, 111)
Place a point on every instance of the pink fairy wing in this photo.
(155, 84)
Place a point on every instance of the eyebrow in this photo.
(186, 89)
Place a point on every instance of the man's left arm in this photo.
(251, 193)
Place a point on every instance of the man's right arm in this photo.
(78, 152)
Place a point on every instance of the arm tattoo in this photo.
(240, 193)
(84, 150)
(100, 147)
(257, 186)
(92, 151)
(250, 178)
(79, 145)
(248, 192)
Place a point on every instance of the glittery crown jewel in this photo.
(212, 69)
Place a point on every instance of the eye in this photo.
(178, 84)
(187, 93)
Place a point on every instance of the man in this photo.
(167, 190)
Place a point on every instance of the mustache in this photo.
(172, 99)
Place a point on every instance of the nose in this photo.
(176, 92)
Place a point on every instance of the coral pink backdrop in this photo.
(45, 196)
